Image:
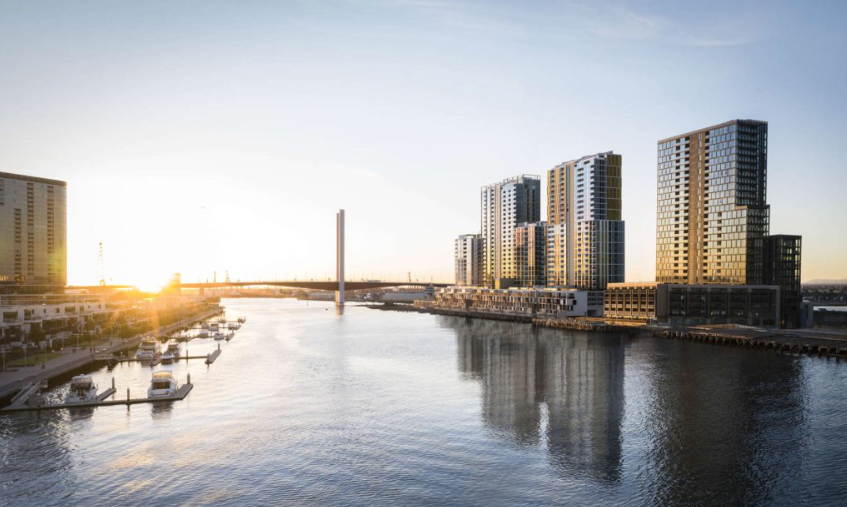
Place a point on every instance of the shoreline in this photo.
(815, 342)
(80, 360)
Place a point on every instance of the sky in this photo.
(206, 137)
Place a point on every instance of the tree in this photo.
(36, 334)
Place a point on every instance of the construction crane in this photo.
(102, 268)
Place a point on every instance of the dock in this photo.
(793, 342)
(181, 393)
(154, 362)
(211, 357)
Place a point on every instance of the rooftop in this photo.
(33, 179)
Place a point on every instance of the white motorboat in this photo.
(148, 350)
(83, 389)
(203, 334)
(162, 385)
(242, 320)
(219, 336)
(204, 325)
(173, 348)
(213, 326)
(167, 357)
(233, 325)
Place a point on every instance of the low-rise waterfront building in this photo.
(23, 312)
(684, 304)
(547, 303)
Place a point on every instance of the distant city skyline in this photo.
(197, 137)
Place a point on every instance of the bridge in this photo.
(339, 285)
(294, 284)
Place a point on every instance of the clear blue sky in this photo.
(209, 135)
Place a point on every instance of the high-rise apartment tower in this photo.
(712, 209)
(585, 233)
(468, 253)
(503, 206)
(33, 231)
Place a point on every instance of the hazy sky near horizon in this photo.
(206, 135)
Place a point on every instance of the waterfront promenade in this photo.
(12, 381)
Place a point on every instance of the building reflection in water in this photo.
(710, 425)
(726, 426)
(576, 379)
(583, 381)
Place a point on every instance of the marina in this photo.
(12, 382)
(82, 391)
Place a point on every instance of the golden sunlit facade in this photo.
(712, 214)
(585, 242)
(33, 230)
(504, 206)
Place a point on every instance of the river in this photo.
(307, 407)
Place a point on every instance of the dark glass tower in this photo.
(782, 267)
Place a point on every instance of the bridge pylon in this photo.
(339, 256)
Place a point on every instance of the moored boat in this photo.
(148, 350)
(82, 390)
(162, 385)
(173, 348)
(219, 336)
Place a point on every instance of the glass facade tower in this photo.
(712, 208)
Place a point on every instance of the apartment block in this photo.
(531, 254)
(712, 206)
(586, 233)
(523, 302)
(33, 231)
(468, 257)
(503, 207)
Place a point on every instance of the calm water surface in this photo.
(305, 407)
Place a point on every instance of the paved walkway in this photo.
(11, 381)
